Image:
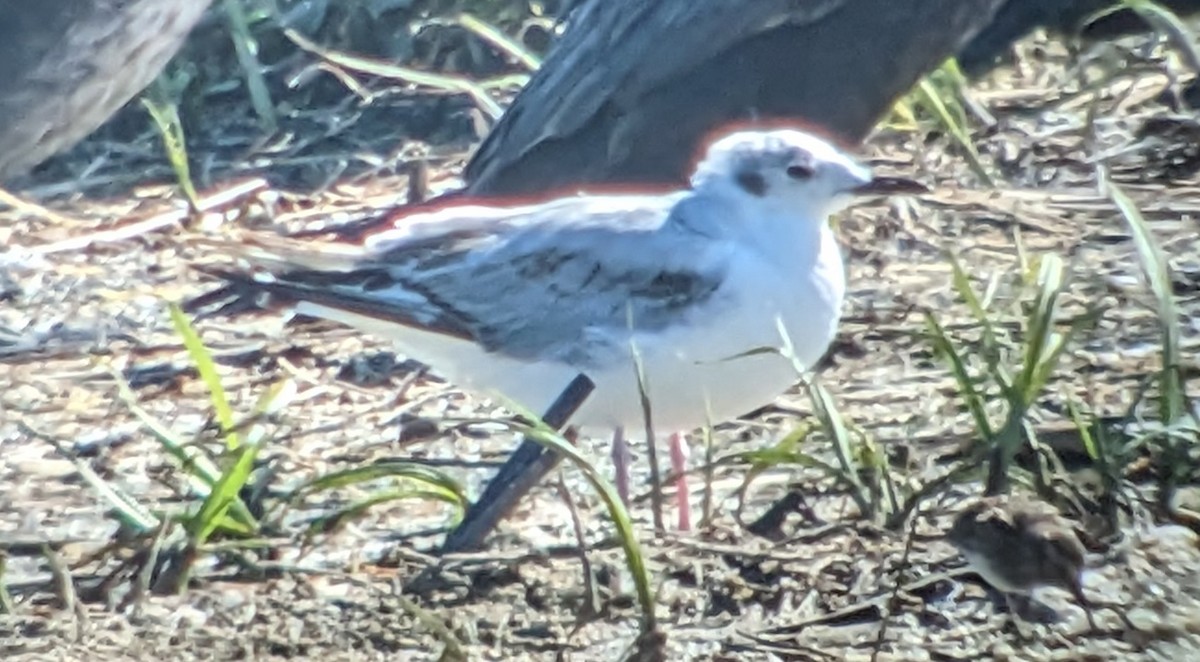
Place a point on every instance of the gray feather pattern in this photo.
(531, 285)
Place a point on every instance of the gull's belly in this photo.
(696, 373)
(685, 392)
(710, 373)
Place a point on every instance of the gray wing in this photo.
(632, 88)
(529, 285)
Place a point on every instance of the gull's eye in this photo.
(800, 172)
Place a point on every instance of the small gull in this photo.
(519, 300)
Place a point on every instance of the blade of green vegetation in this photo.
(979, 308)
(783, 453)
(131, 514)
(208, 374)
(706, 504)
(1040, 341)
(940, 96)
(930, 98)
(166, 117)
(355, 510)
(213, 512)
(639, 372)
(835, 427)
(832, 424)
(903, 110)
(278, 396)
(1172, 397)
(943, 346)
(434, 480)
(201, 472)
(200, 469)
(246, 48)
(630, 546)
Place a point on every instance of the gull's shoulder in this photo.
(480, 224)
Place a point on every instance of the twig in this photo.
(499, 40)
(34, 209)
(889, 606)
(589, 579)
(453, 651)
(145, 575)
(65, 585)
(208, 203)
(656, 495)
(375, 67)
(7, 606)
(524, 469)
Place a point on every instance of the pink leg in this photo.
(621, 458)
(679, 456)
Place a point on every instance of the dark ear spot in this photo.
(752, 182)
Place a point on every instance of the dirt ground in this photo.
(79, 306)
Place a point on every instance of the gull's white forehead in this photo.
(779, 142)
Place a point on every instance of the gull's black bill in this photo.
(890, 186)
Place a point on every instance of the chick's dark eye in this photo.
(800, 172)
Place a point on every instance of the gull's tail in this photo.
(253, 281)
(335, 281)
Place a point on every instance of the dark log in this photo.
(67, 65)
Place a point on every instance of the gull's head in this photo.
(791, 172)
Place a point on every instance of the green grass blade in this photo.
(630, 546)
(246, 48)
(411, 471)
(1041, 340)
(213, 512)
(278, 396)
(1173, 398)
(826, 412)
(208, 374)
(129, 512)
(202, 472)
(355, 510)
(942, 346)
(961, 281)
(949, 115)
(784, 452)
(165, 115)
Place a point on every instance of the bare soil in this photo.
(81, 307)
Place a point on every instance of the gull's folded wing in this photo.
(526, 283)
